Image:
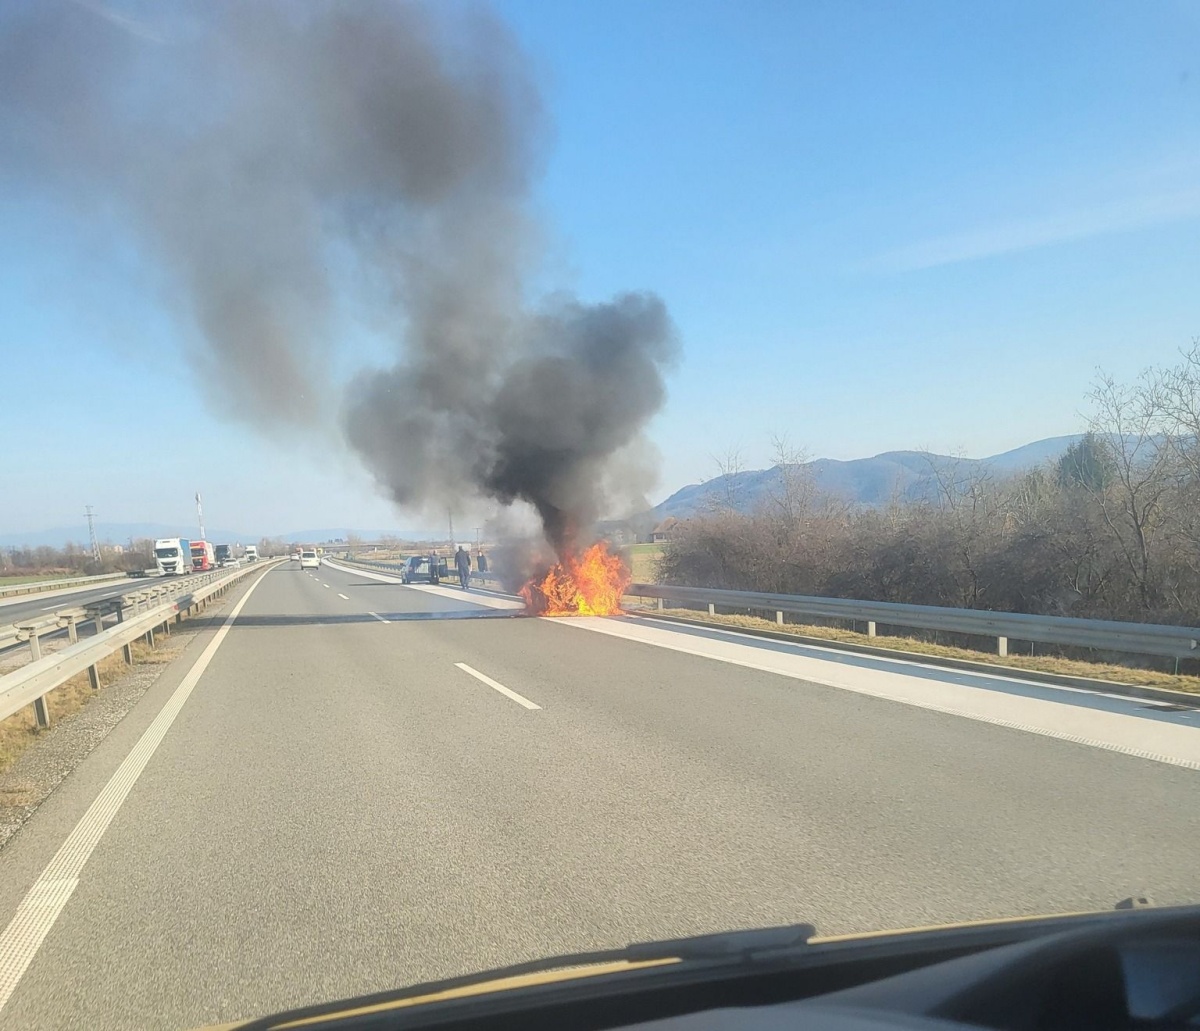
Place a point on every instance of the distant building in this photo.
(663, 531)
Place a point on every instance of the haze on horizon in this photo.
(945, 268)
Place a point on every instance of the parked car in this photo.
(417, 570)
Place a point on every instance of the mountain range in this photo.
(907, 475)
(864, 481)
(121, 533)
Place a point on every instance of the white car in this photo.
(309, 559)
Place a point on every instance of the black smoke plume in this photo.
(283, 168)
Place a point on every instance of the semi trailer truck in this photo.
(173, 556)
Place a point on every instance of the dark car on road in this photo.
(417, 569)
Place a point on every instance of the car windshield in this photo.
(750, 454)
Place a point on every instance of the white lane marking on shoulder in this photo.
(379, 617)
(1112, 731)
(489, 599)
(40, 908)
(484, 678)
(382, 578)
(342, 596)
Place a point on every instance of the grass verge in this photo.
(20, 730)
(643, 562)
(1041, 663)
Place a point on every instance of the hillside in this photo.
(906, 475)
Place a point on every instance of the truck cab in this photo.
(203, 557)
(173, 556)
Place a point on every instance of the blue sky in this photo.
(877, 226)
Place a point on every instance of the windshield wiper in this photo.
(762, 942)
(765, 944)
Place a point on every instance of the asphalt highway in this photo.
(370, 785)
(33, 606)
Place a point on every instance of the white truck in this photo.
(173, 556)
(251, 553)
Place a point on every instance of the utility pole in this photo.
(200, 515)
(91, 518)
(450, 516)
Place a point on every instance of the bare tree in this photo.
(1129, 423)
(793, 491)
(964, 492)
(727, 492)
(1111, 530)
(1179, 396)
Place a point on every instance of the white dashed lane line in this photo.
(483, 678)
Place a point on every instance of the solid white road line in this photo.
(381, 577)
(343, 597)
(925, 687)
(379, 617)
(484, 678)
(487, 599)
(45, 901)
(491, 601)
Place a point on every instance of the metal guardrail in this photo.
(138, 615)
(38, 586)
(22, 630)
(489, 578)
(36, 626)
(1176, 642)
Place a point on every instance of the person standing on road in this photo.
(462, 559)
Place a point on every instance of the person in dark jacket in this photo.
(462, 561)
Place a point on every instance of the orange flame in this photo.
(590, 584)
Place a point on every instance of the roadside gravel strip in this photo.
(44, 765)
(41, 768)
(41, 906)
